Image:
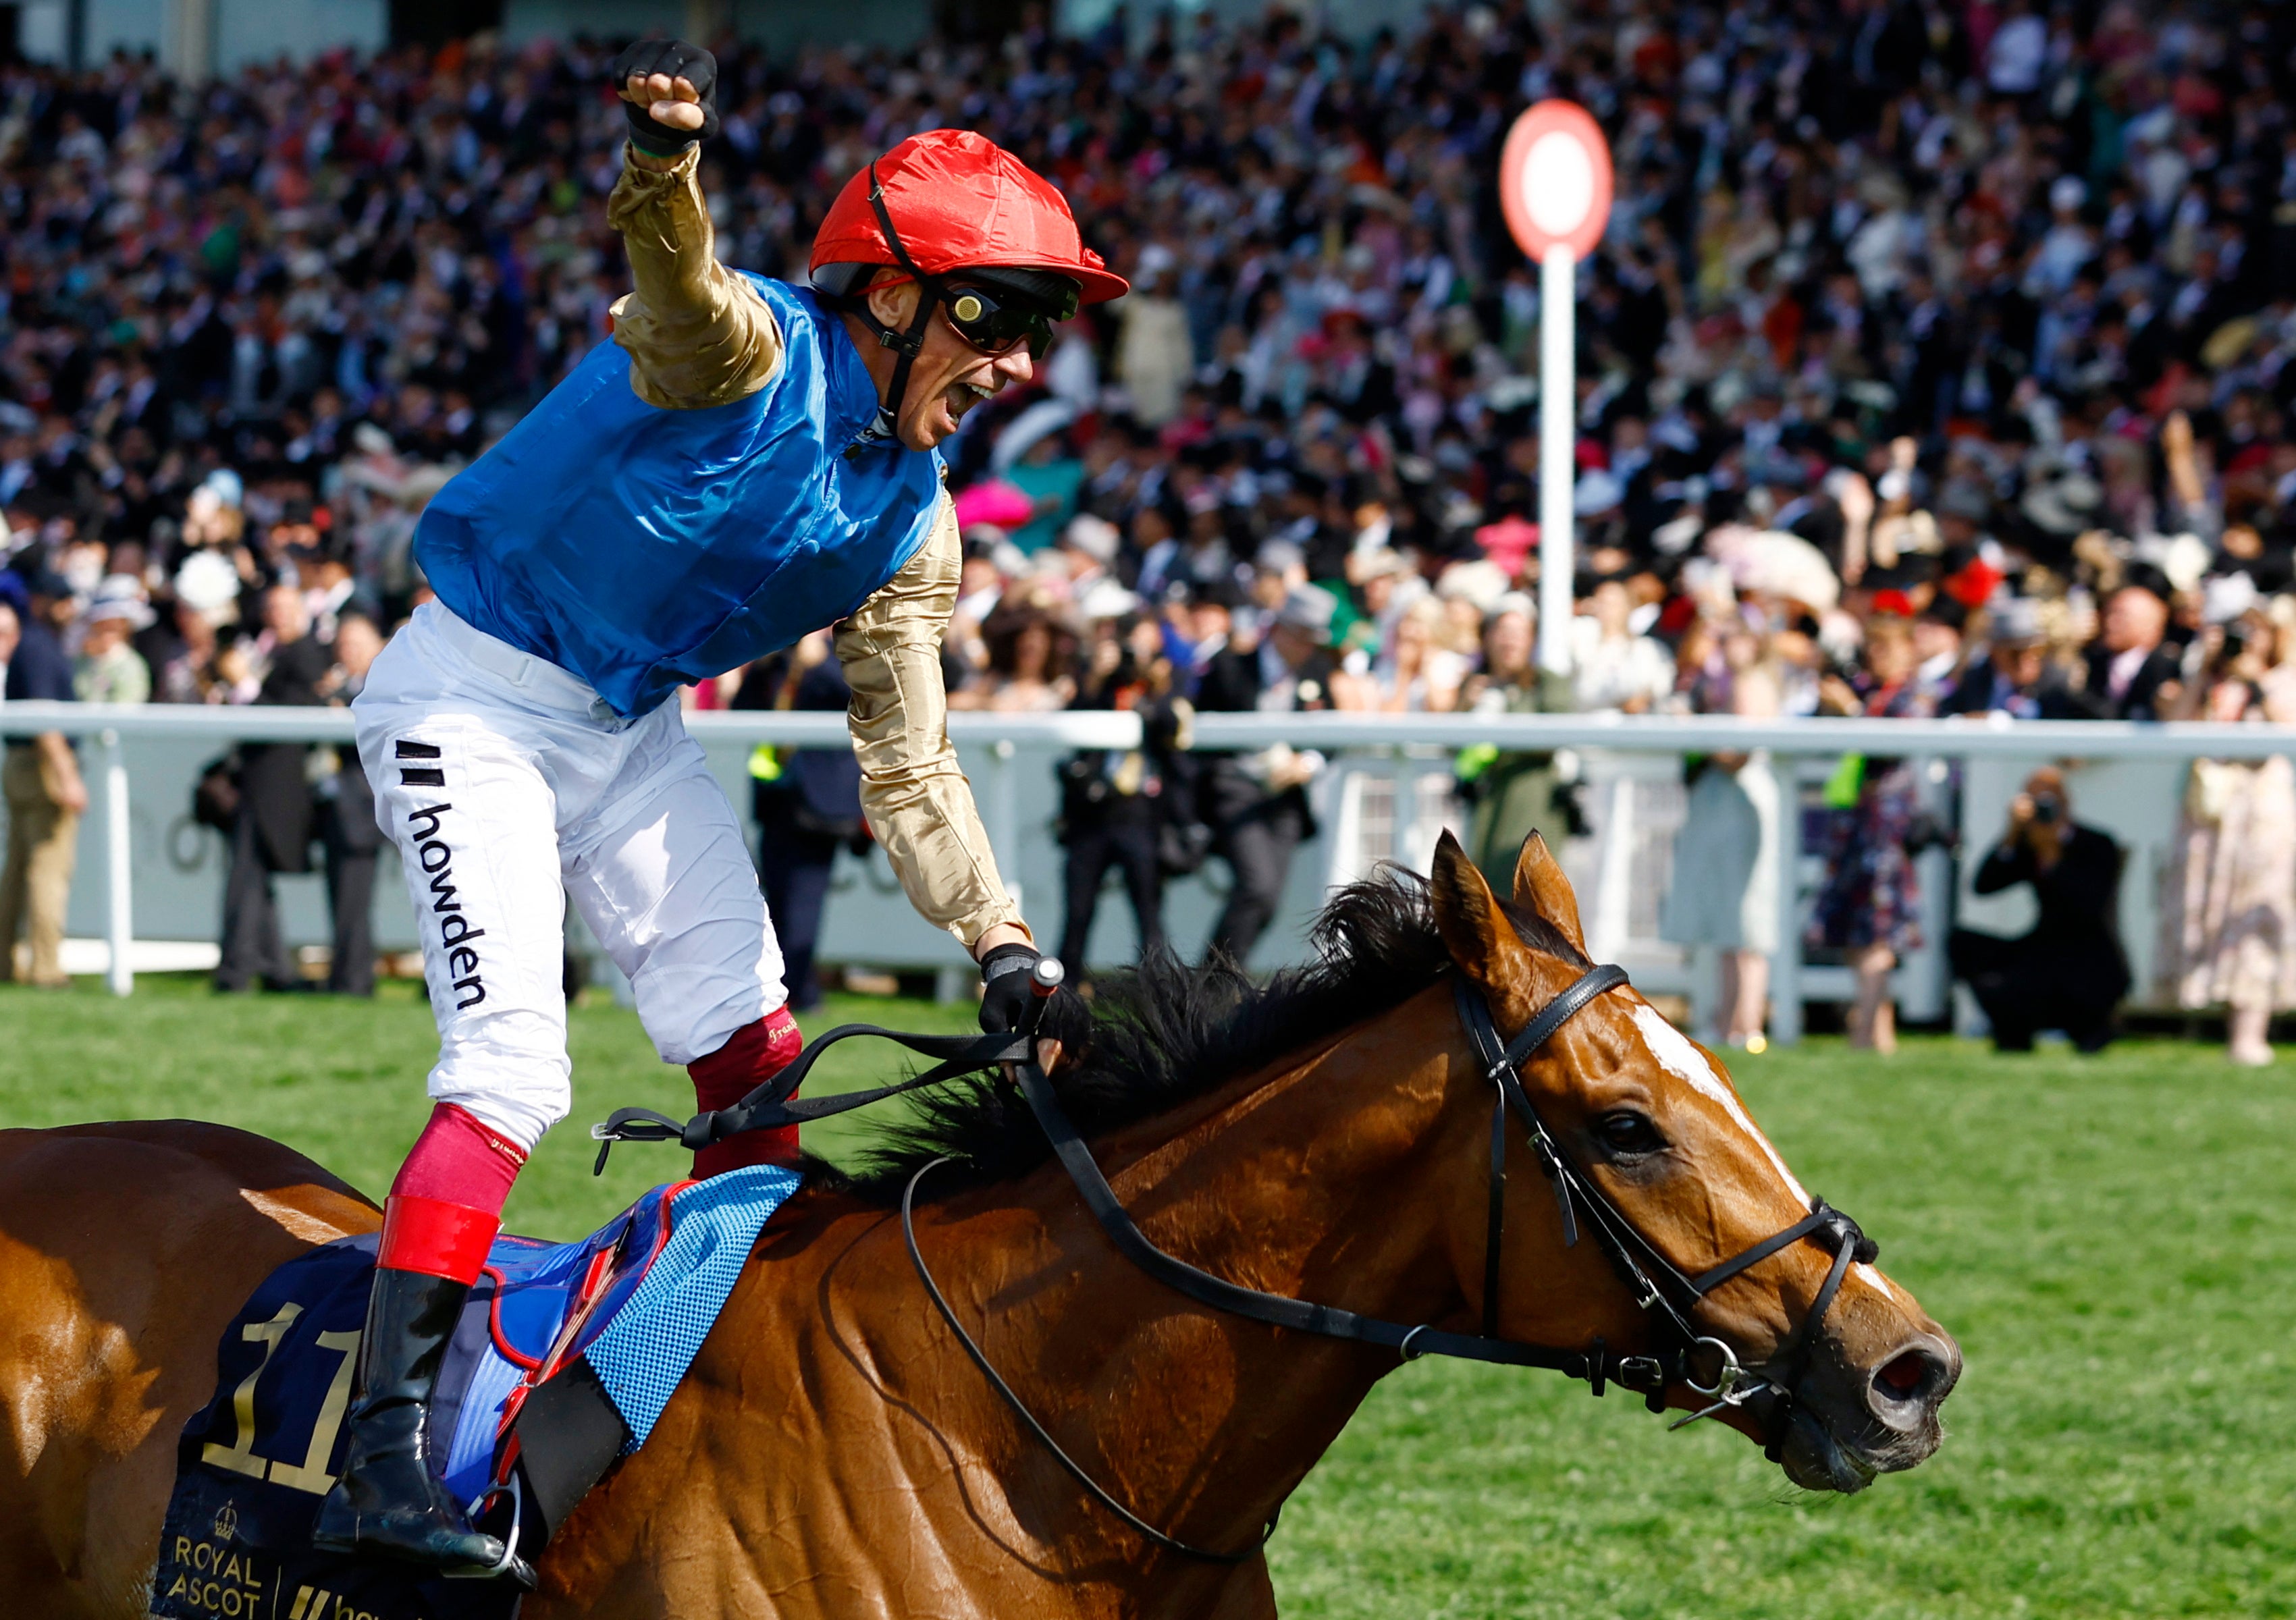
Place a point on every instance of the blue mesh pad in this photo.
(646, 1349)
(656, 1308)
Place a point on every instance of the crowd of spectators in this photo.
(1935, 362)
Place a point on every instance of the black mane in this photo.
(1165, 1032)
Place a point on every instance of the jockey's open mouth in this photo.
(984, 378)
(963, 394)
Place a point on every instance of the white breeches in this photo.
(508, 786)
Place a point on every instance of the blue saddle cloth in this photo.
(565, 1356)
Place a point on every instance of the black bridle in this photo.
(1659, 1287)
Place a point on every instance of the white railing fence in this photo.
(1386, 798)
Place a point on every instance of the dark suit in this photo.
(1256, 832)
(1114, 810)
(2135, 701)
(352, 842)
(276, 822)
(2069, 970)
(1983, 689)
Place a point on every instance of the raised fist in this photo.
(669, 95)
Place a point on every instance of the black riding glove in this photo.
(678, 60)
(1007, 975)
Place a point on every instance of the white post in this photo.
(187, 39)
(119, 867)
(1925, 979)
(1615, 870)
(1003, 816)
(1785, 967)
(1558, 436)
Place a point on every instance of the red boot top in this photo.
(751, 1056)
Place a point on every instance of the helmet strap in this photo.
(907, 346)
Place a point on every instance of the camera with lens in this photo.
(2048, 809)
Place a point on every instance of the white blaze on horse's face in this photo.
(1685, 1061)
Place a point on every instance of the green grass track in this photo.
(2113, 1241)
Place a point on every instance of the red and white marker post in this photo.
(1554, 188)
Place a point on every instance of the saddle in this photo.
(565, 1355)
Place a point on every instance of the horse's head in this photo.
(1654, 1124)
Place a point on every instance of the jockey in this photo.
(746, 462)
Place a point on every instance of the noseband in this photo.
(1659, 1287)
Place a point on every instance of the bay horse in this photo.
(833, 1453)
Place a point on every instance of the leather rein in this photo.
(1680, 1355)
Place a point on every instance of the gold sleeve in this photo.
(918, 802)
(697, 335)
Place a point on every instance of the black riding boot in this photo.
(388, 1502)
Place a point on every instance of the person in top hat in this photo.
(747, 462)
(1257, 803)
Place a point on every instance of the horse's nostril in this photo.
(1902, 1378)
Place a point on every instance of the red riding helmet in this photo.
(957, 201)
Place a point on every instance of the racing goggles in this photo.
(996, 323)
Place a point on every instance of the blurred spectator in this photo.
(1938, 651)
(41, 779)
(1118, 808)
(1611, 666)
(808, 806)
(2067, 971)
(108, 669)
(2229, 923)
(1153, 357)
(1027, 670)
(2128, 667)
(347, 833)
(1513, 794)
(2016, 676)
(1048, 475)
(1868, 905)
(1413, 673)
(1257, 803)
(277, 819)
(1724, 897)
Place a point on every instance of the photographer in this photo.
(2069, 970)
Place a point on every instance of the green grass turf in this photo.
(2112, 1239)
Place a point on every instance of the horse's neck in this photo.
(1320, 1181)
(1327, 1180)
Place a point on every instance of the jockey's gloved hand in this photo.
(1006, 986)
(672, 60)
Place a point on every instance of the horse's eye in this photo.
(1626, 1132)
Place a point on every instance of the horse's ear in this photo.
(1477, 933)
(1540, 887)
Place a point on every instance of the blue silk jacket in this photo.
(640, 548)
